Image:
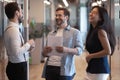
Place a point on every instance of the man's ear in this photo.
(17, 13)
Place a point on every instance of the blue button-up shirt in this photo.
(71, 39)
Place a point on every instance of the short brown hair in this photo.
(66, 12)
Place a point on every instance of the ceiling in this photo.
(69, 1)
(74, 2)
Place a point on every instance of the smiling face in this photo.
(61, 19)
(94, 16)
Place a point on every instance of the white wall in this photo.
(37, 10)
(72, 9)
(117, 20)
(83, 19)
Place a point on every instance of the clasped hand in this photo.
(48, 49)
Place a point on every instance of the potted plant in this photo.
(38, 31)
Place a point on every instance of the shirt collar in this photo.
(67, 28)
(13, 24)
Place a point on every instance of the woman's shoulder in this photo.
(102, 33)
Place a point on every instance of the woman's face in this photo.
(94, 16)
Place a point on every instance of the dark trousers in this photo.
(53, 73)
(17, 71)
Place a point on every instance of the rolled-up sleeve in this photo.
(78, 42)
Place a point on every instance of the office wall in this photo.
(73, 9)
(36, 10)
(117, 20)
(0, 19)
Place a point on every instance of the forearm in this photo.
(99, 54)
(73, 51)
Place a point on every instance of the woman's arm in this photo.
(102, 35)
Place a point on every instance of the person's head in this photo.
(62, 17)
(13, 11)
(98, 16)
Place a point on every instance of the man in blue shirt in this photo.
(62, 67)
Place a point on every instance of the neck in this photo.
(14, 20)
(94, 25)
(63, 26)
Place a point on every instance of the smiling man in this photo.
(62, 67)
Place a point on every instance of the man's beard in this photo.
(59, 22)
(20, 19)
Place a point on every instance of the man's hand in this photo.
(32, 44)
(59, 49)
(47, 50)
